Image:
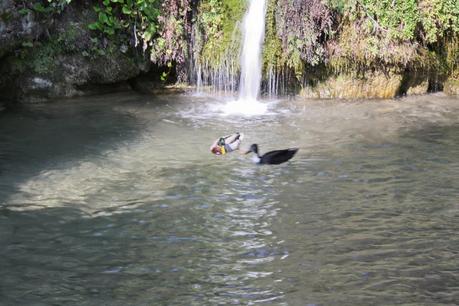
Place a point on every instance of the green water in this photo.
(116, 200)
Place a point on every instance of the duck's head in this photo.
(253, 148)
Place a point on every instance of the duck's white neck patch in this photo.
(255, 159)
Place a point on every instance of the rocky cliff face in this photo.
(43, 57)
(46, 54)
(16, 27)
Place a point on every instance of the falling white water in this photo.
(253, 36)
(254, 32)
(199, 80)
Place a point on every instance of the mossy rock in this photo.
(69, 75)
(414, 83)
(223, 45)
(17, 28)
(451, 87)
(372, 86)
(69, 62)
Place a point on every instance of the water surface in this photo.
(116, 200)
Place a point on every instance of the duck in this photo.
(272, 157)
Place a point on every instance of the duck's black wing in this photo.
(278, 156)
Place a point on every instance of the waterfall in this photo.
(253, 35)
(199, 80)
(253, 29)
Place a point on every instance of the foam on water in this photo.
(245, 107)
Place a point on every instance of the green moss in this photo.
(272, 49)
(5, 16)
(45, 57)
(452, 56)
(232, 15)
(372, 35)
(18, 65)
(69, 39)
(220, 22)
(451, 86)
(42, 57)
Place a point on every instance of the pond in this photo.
(116, 200)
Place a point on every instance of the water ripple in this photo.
(125, 204)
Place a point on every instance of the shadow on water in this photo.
(45, 137)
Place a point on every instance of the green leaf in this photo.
(94, 26)
(27, 44)
(109, 31)
(149, 32)
(39, 7)
(103, 18)
(24, 11)
(126, 10)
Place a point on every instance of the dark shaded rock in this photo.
(68, 76)
(414, 83)
(70, 61)
(16, 26)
